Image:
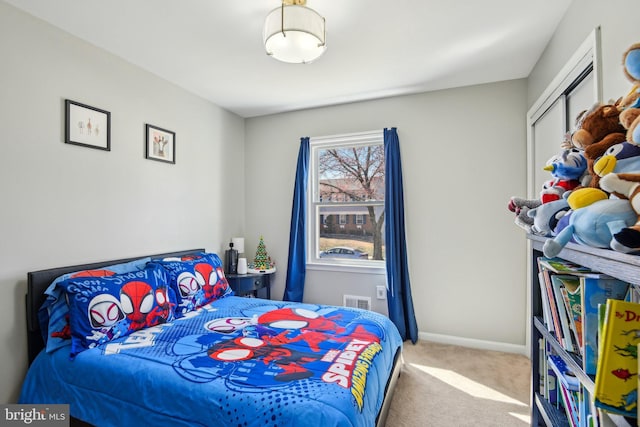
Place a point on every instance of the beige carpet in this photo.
(448, 386)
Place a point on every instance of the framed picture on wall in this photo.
(160, 144)
(87, 126)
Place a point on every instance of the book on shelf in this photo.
(561, 299)
(569, 401)
(551, 390)
(546, 307)
(616, 383)
(562, 266)
(551, 300)
(571, 291)
(596, 290)
(547, 379)
(563, 373)
(569, 392)
(571, 343)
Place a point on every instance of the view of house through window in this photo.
(348, 200)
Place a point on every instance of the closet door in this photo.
(575, 89)
(547, 134)
(581, 97)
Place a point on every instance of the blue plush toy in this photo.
(594, 225)
(547, 215)
(567, 169)
(619, 158)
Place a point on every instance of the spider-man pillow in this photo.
(53, 315)
(104, 308)
(196, 279)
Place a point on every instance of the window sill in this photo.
(347, 268)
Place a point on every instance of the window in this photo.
(346, 200)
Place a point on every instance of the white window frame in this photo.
(313, 233)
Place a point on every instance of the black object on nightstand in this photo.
(250, 284)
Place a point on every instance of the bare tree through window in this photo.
(351, 194)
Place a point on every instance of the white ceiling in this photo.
(375, 48)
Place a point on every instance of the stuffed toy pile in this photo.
(600, 206)
(567, 168)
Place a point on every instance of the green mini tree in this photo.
(262, 260)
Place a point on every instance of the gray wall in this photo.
(64, 204)
(463, 156)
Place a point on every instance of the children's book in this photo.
(562, 266)
(571, 295)
(563, 373)
(553, 307)
(570, 406)
(570, 340)
(616, 384)
(596, 290)
(549, 267)
(546, 308)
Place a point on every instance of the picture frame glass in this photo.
(160, 144)
(87, 126)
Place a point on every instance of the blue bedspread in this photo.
(235, 362)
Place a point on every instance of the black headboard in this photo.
(39, 281)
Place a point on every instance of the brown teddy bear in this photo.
(598, 129)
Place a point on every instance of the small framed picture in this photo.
(87, 126)
(160, 144)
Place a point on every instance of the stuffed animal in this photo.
(521, 208)
(585, 196)
(619, 171)
(619, 158)
(547, 215)
(626, 186)
(598, 129)
(593, 225)
(630, 116)
(567, 168)
(576, 199)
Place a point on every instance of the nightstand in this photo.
(250, 284)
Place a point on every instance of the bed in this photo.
(207, 358)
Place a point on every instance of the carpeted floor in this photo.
(444, 386)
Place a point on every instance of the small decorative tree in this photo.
(262, 262)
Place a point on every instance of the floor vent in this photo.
(357, 302)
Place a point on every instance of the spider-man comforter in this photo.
(235, 362)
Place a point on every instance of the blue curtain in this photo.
(399, 299)
(296, 268)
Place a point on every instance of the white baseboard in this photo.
(473, 343)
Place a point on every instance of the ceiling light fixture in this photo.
(294, 33)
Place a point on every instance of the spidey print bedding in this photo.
(233, 362)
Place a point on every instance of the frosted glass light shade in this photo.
(294, 34)
(238, 244)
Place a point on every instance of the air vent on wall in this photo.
(357, 302)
